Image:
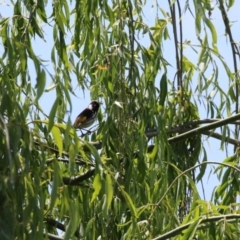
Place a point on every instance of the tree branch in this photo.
(180, 229)
(153, 132)
(63, 160)
(179, 70)
(220, 137)
(185, 129)
(201, 130)
(52, 222)
(235, 51)
(78, 179)
(190, 125)
(204, 121)
(208, 133)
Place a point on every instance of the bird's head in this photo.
(94, 106)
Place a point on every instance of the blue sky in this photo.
(212, 146)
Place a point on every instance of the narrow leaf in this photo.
(190, 232)
(130, 203)
(52, 115)
(109, 190)
(56, 182)
(58, 139)
(97, 185)
(213, 31)
(118, 104)
(41, 81)
(163, 89)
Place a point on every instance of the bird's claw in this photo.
(84, 134)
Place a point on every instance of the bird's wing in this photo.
(82, 117)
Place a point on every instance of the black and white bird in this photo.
(87, 117)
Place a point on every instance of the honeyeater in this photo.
(87, 117)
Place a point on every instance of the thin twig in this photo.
(235, 51)
(183, 173)
(173, 14)
(54, 237)
(131, 40)
(181, 45)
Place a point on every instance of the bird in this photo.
(87, 117)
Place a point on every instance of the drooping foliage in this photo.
(159, 70)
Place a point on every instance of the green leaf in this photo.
(50, 88)
(58, 139)
(95, 155)
(97, 185)
(73, 222)
(41, 82)
(22, 55)
(130, 203)
(163, 89)
(41, 11)
(52, 115)
(56, 183)
(109, 12)
(191, 231)
(203, 167)
(213, 31)
(72, 154)
(110, 86)
(118, 104)
(198, 22)
(230, 3)
(109, 190)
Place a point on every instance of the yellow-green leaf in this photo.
(130, 203)
(56, 183)
(58, 139)
(109, 190)
(52, 115)
(213, 31)
(97, 185)
(41, 81)
(163, 89)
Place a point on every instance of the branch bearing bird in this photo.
(87, 117)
